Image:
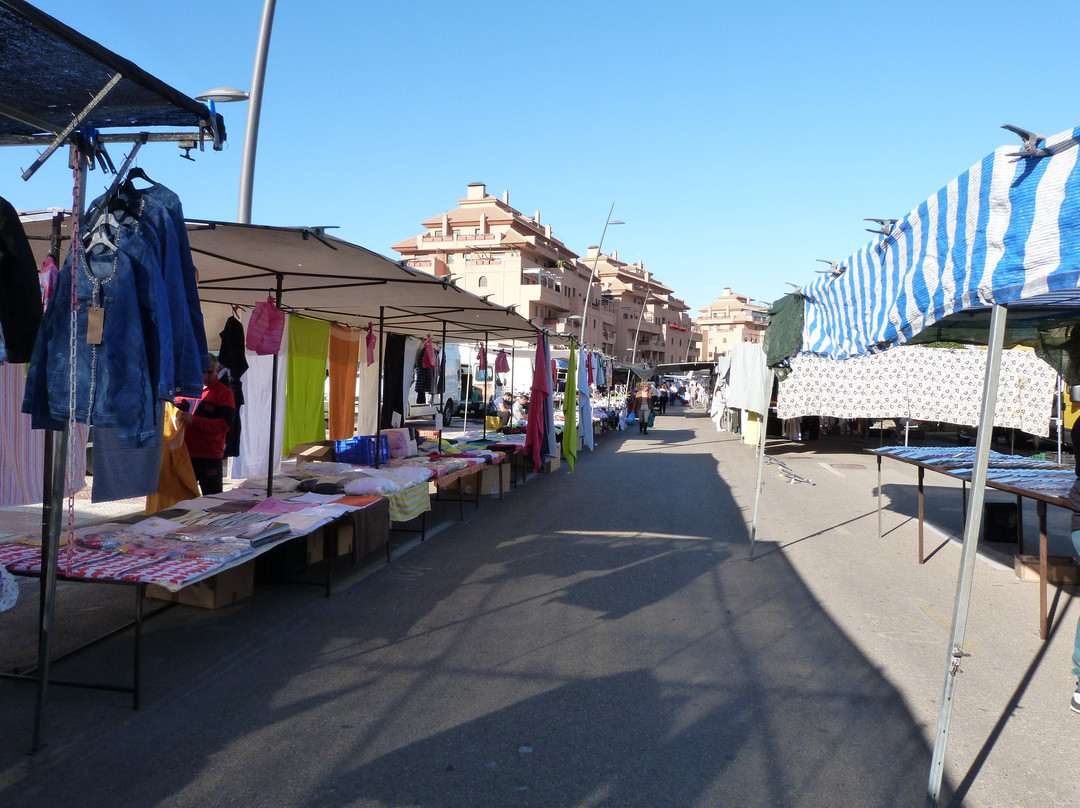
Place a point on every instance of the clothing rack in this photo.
(157, 104)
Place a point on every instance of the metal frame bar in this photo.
(76, 122)
(972, 524)
(760, 469)
(273, 405)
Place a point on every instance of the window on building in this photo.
(482, 280)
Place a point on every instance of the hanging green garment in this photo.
(569, 408)
(783, 337)
(305, 380)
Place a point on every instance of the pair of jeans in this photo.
(209, 472)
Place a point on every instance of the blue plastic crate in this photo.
(361, 450)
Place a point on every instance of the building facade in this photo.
(490, 249)
(651, 324)
(487, 247)
(730, 319)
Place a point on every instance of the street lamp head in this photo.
(222, 95)
(616, 221)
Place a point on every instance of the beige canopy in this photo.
(325, 278)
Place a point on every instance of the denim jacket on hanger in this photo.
(154, 342)
(112, 379)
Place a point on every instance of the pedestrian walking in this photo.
(643, 408)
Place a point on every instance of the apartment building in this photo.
(730, 319)
(487, 247)
(651, 324)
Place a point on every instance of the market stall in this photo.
(991, 258)
(59, 89)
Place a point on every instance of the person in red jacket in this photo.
(206, 428)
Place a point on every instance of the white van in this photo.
(462, 374)
(427, 404)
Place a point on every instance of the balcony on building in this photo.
(439, 237)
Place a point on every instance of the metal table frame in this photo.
(1041, 501)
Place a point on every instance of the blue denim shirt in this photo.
(164, 228)
(113, 385)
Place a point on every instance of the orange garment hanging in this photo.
(344, 356)
(176, 480)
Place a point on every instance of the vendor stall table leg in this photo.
(135, 688)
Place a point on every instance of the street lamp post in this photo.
(637, 330)
(592, 273)
(251, 130)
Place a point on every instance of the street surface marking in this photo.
(628, 534)
(945, 625)
(827, 467)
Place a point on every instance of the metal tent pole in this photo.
(440, 417)
(484, 409)
(513, 367)
(379, 406)
(404, 404)
(270, 460)
(760, 470)
(879, 496)
(52, 511)
(972, 524)
(1057, 406)
(467, 395)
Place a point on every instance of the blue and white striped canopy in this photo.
(1006, 230)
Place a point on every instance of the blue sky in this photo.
(739, 142)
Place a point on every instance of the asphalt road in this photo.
(595, 639)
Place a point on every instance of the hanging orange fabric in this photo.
(344, 356)
(176, 478)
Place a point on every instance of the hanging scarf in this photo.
(47, 277)
(429, 360)
(370, 340)
(481, 359)
(534, 426)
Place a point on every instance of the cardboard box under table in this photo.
(359, 533)
(492, 481)
(230, 585)
(459, 480)
(1061, 570)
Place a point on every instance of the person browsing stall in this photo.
(206, 427)
(520, 411)
(504, 408)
